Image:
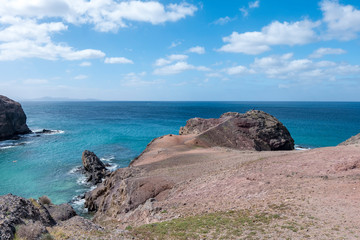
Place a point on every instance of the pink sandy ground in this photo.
(320, 188)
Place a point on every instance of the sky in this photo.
(162, 50)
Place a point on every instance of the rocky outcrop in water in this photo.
(94, 168)
(12, 119)
(353, 140)
(253, 130)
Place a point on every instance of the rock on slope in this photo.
(31, 219)
(16, 211)
(253, 130)
(12, 119)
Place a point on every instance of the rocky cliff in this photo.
(253, 130)
(12, 119)
(130, 193)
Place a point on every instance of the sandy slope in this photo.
(318, 189)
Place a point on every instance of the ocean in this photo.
(119, 131)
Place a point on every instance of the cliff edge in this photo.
(12, 119)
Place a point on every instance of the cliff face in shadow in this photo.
(12, 119)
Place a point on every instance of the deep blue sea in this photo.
(119, 131)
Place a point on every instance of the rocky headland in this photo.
(12, 119)
(227, 178)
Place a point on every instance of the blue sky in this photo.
(261, 50)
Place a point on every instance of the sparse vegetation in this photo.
(35, 203)
(45, 200)
(29, 232)
(220, 225)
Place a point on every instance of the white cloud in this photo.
(244, 11)
(83, 54)
(178, 68)
(137, 80)
(197, 49)
(343, 21)
(118, 60)
(287, 68)
(170, 59)
(26, 27)
(237, 70)
(214, 75)
(85, 64)
(319, 53)
(223, 20)
(254, 4)
(296, 33)
(105, 15)
(175, 44)
(177, 57)
(80, 77)
(29, 39)
(33, 81)
(251, 5)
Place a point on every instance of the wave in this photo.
(77, 169)
(47, 132)
(78, 204)
(12, 143)
(107, 158)
(301, 148)
(82, 180)
(112, 167)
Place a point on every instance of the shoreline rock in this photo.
(95, 169)
(12, 119)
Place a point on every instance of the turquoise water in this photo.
(119, 131)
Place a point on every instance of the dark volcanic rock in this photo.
(12, 119)
(16, 211)
(353, 140)
(94, 168)
(253, 130)
(45, 131)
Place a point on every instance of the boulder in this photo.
(15, 211)
(253, 130)
(94, 168)
(12, 119)
(353, 140)
(61, 212)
